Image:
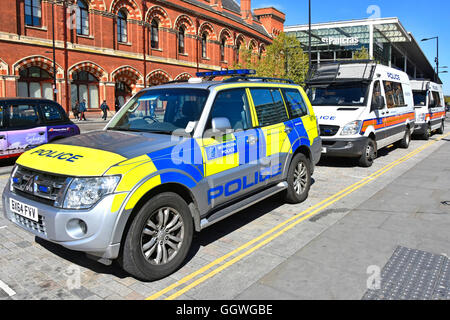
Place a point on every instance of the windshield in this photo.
(420, 98)
(161, 111)
(339, 95)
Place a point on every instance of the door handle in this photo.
(41, 133)
(252, 140)
(288, 130)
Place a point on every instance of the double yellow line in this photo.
(276, 232)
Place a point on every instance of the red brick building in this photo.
(109, 49)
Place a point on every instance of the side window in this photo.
(1, 117)
(23, 116)
(233, 105)
(52, 113)
(437, 99)
(269, 106)
(295, 103)
(394, 94)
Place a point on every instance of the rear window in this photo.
(53, 113)
(22, 116)
(295, 103)
(420, 98)
(269, 106)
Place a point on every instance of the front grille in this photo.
(328, 131)
(32, 225)
(37, 186)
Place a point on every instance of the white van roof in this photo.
(424, 85)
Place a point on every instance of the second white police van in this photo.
(361, 107)
(430, 109)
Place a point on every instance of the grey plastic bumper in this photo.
(344, 148)
(100, 223)
(420, 128)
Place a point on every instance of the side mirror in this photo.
(379, 103)
(221, 125)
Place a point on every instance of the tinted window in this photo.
(269, 106)
(436, 99)
(295, 103)
(1, 116)
(53, 113)
(347, 94)
(233, 105)
(21, 116)
(394, 94)
(420, 98)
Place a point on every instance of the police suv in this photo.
(361, 107)
(175, 159)
(430, 110)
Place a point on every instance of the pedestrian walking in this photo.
(76, 110)
(105, 109)
(82, 110)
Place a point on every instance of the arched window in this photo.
(181, 48)
(154, 34)
(82, 18)
(238, 49)
(222, 48)
(36, 83)
(122, 34)
(204, 45)
(33, 13)
(85, 87)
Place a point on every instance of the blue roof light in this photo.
(222, 73)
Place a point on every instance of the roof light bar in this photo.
(239, 72)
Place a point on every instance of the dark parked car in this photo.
(29, 122)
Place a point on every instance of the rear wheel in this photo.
(427, 133)
(404, 143)
(299, 179)
(159, 238)
(369, 154)
(442, 128)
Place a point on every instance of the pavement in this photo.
(332, 246)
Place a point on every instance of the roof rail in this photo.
(263, 79)
(330, 72)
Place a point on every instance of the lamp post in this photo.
(437, 55)
(309, 37)
(54, 53)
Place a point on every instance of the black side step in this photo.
(241, 205)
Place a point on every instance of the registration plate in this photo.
(324, 150)
(24, 210)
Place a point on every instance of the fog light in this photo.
(77, 228)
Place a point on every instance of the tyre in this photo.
(427, 133)
(442, 128)
(159, 238)
(369, 154)
(404, 143)
(298, 179)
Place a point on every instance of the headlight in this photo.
(351, 128)
(83, 193)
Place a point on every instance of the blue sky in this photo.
(423, 19)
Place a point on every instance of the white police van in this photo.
(361, 107)
(430, 109)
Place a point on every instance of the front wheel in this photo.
(427, 134)
(442, 128)
(369, 154)
(404, 143)
(299, 180)
(159, 238)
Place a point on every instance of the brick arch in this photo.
(159, 14)
(276, 32)
(90, 67)
(128, 75)
(208, 28)
(158, 77)
(4, 68)
(40, 62)
(184, 20)
(262, 49)
(132, 8)
(226, 33)
(254, 44)
(239, 39)
(96, 4)
(183, 76)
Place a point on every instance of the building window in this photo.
(82, 18)
(181, 48)
(85, 87)
(122, 34)
(238, 49)
(33, 13)
(35, 82)
(204, 46)
(154, 34)
(222, 49)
